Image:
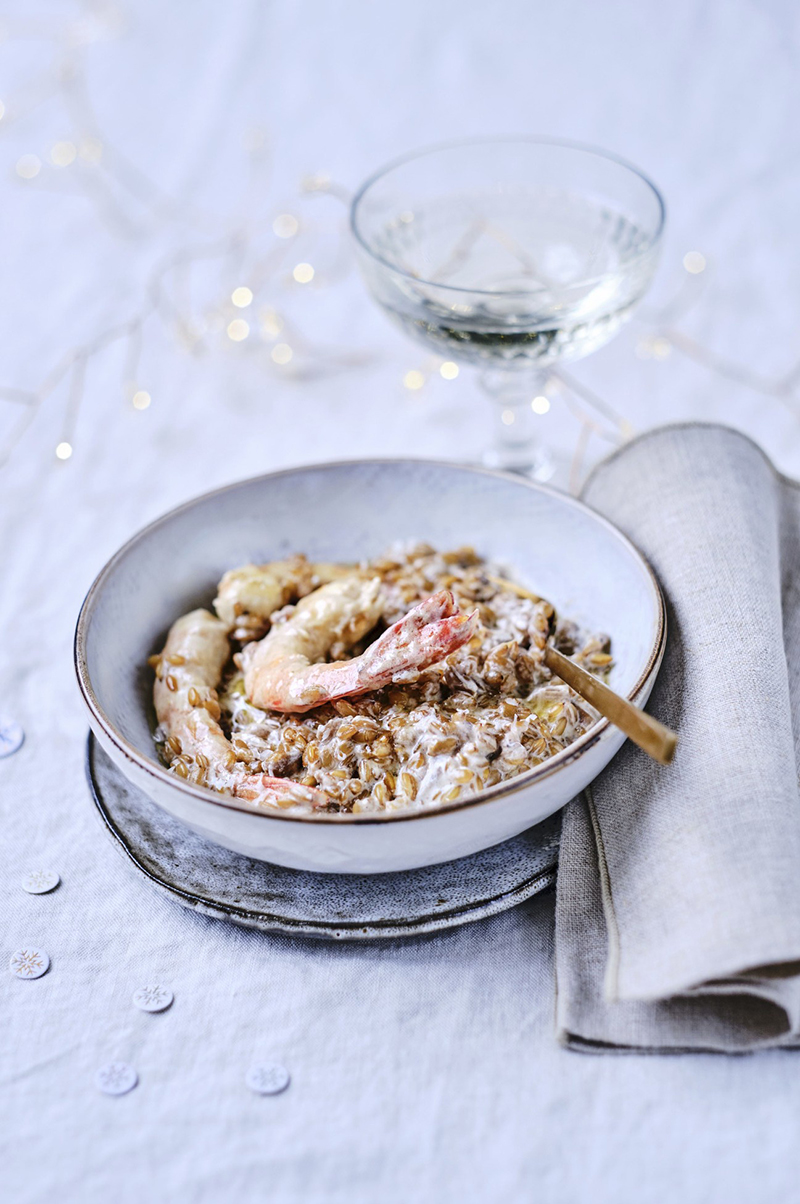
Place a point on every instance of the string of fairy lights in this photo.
(264, 263)
(260, 257)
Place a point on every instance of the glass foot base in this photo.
(535, 463)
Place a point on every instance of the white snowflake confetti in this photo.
(153, 999)
(39, 882)
(269, 1078)
(29, 962)
(11, 737)
(116, 1078)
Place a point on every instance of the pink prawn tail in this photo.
(438, 606)
(261, 789)
(438, 640)
(415, 642)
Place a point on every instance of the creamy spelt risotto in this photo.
(409, 681)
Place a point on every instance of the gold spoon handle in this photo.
(656, 739)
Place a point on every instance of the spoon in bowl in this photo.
(654, 738)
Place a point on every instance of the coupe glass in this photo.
(512, 254)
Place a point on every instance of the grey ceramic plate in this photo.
(217, 882)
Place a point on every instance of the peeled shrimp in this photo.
(280, 672)
(248, 596)
(188, 672)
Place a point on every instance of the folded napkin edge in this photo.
(687, 989)
(673, 428)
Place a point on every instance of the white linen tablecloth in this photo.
(424, 1071)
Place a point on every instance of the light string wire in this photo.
(131, 205)
(264, 253)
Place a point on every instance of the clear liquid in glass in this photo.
(549, 276)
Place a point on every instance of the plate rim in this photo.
(270, 922)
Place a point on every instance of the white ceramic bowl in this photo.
(348, 511)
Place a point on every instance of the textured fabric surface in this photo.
(426, 1072)
(678, 914)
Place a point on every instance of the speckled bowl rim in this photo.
(511, 786)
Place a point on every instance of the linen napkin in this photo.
(678, 894)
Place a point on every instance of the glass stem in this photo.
(515, 446)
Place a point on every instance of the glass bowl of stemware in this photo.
(514, 255)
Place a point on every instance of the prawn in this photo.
(188, 672)
(282, 671)
(247, 597)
